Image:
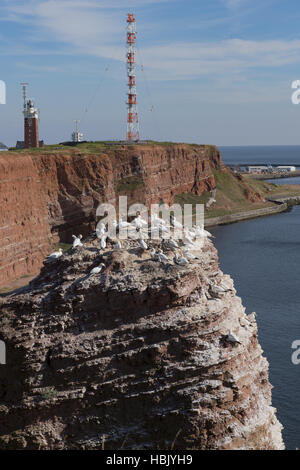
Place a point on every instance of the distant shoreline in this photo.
(246, 215)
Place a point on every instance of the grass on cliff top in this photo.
(272, 189)
(231, 195)
(93, 147)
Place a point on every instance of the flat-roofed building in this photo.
(286, 167)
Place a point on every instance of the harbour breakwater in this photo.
(245, 215)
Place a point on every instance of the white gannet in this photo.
(155, 220)
(101, 230)
(162, 257)
(201, 232)
(175, 223)
(172, 243)
(153, 254)
(142, 244)
(97, 269)
(159, 228)
(218, 289)
(187, 239)
(139, 222)
(123, 224)
(118, 245)
(225, 286)
(103, 243)
(189, 255)
(54, 256)
(232, 338)
(77, 241)
(181, 260)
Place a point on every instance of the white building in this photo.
(286, 168)
(77, 136)
(257, 169)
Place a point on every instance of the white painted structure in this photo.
(286, 168)
(76, 135)
(257, 169)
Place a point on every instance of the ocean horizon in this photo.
(261, 154)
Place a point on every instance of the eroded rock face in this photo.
(45, 197)
(138, 354)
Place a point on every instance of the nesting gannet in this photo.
(103, 243)
(101, 230)
(175, 223)
(224, 286)
(139, 222)
(77, 241)
(154, 255)
(123, 224)
(181, 260)
(97, 269)
(54, 256)
(142, 244)
(201, 232)
(159, 228)
(232, 338)
(218, 289)
(172, 243)
(187, 239)
(188, 255)
(162, 257)
(155, 220)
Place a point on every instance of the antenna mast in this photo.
(133, 131)
(24, 86)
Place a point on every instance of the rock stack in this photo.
(137, 356)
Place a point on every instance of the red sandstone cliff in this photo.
(45, 197)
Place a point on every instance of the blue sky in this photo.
(214, 71)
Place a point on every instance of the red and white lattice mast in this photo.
(133, 131)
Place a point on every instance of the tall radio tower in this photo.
(133, 131)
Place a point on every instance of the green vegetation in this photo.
(271, 189)
(94, 147)
(233, 194)
(190, 198)
(129, 184)
(63, 246)
(48, 393)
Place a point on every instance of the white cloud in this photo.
(233, 3)
(93, 28)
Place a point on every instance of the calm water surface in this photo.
(294, 180)
(276, 155)
(263, 257)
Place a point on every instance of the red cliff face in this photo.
(45, 197)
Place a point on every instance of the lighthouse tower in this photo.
(31, 121)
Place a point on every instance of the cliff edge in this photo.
(137, 357)
(47, 195)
